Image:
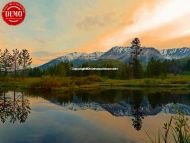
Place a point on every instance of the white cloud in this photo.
(151, 17)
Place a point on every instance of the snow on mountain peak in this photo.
(176, 53)
(122, 54)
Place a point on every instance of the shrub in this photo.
(47, 83)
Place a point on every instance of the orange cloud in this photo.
(100, 26)
(157, 23)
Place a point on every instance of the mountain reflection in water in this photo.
(136, 104)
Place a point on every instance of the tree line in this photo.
(133, 69)
(14, 61)
(19, 62)
(154, 68)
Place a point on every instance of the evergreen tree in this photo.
(150, 70)
(156, 68)
(137, 69)
(164, 68)
(136, 46)
(187, 65)
(174, 67)
(35, 72)
(62, 69)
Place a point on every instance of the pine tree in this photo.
(136, 47)
(150, 68)
(164, 68)
(187, 65)
(156, 68)
(137, 69)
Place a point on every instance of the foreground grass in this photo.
(176, 130)
(93, 82)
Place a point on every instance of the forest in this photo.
(18, 64)
(133, 70)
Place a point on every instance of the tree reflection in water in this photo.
(137, 118)
(138, 103)
(13, 107)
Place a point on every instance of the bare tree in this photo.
(6, 61)
(0, 61)
(14, 107)
(24, 59)
(15, 59)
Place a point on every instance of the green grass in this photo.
(170, 81)
(89, 82)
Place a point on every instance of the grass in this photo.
(48, 82)
(176, 130)
(93, 82)
(170, 81)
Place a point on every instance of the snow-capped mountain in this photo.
(124, 102)
(176, 53)
(74, 57)
(117, 53)
(122, 54)
(124, 108)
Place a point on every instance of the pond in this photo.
(101, 116)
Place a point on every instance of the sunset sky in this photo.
(55, 27)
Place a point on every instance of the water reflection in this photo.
(137, 118)
(135, 104)
(14, 107)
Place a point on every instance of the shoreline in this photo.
(94, 82)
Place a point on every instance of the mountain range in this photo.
(122, 54)
(124, 108)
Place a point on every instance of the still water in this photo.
(108, 116)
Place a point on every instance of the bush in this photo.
(50, 82)
(47, 83)
(94, 78)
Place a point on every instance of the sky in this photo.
(53, 28)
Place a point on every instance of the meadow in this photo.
(93, 81)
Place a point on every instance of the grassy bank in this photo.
(170, 81)
(48, 82)
(180, 81)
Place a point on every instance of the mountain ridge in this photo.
(122, 54)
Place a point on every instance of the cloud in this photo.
(150, 17)
(53, 28)
(91, 22)
(40, 53)
(40, 41)
(181, 28)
